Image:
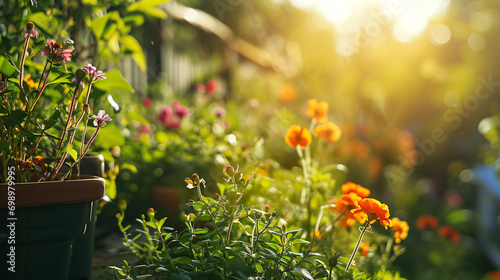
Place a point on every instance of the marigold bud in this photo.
(191, 217)
(333, 261)
(122, 205)
(151, 214)
(196, 179)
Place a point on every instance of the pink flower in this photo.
(211, 86)
(30, 31)
(94, 73)
(101, 118)
(220, 111)
(165, 113)
(180, 111)
(55, 52)
(172, 122)
(145, 129)
(199, 87)
(147, 102)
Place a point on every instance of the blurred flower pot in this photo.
(42, 229)
(83, 247)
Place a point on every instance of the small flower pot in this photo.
(48, 216)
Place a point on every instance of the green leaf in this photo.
(135, 116)
(72, 153)
(258, 267)
(64, 78)
(134, 19)
(300, 241)
(5, 66)
(198, 206)
(16, 117)
(203, 217)
(109, 136)
(182, 260)
(459, 216)
(200, 231)
(98, 25)
(54, 118)
(161, 222)
(149, 8)
(130, 44)
(114, 81)
(177, 276)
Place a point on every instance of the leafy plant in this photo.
(225, 239)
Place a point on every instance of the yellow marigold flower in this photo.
(316, 234)
(297, 135)
(372, 210)
(29, 81)
(317, 110)
(400, 229)
(330, 131)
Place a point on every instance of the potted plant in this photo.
(45, 209)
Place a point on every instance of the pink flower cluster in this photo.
(94, 73)
(209, 88)
(171, 116)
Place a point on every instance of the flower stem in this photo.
(21, 67)
(43, 86)
(90, 142)
(366, 227)
(71, 108)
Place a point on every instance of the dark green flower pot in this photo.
(48, 217)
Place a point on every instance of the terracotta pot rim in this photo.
(78, 189)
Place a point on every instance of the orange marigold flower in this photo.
(330, 131)
(317, 110)
(287, 93)
(364, 249)
(350, 187)
(400, 229)
(450, 233)
(426, 221)
(372, 210)
(492, 275)
(297, 135)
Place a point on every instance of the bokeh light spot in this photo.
(480, 22)
(441, 34)
(476, 42)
